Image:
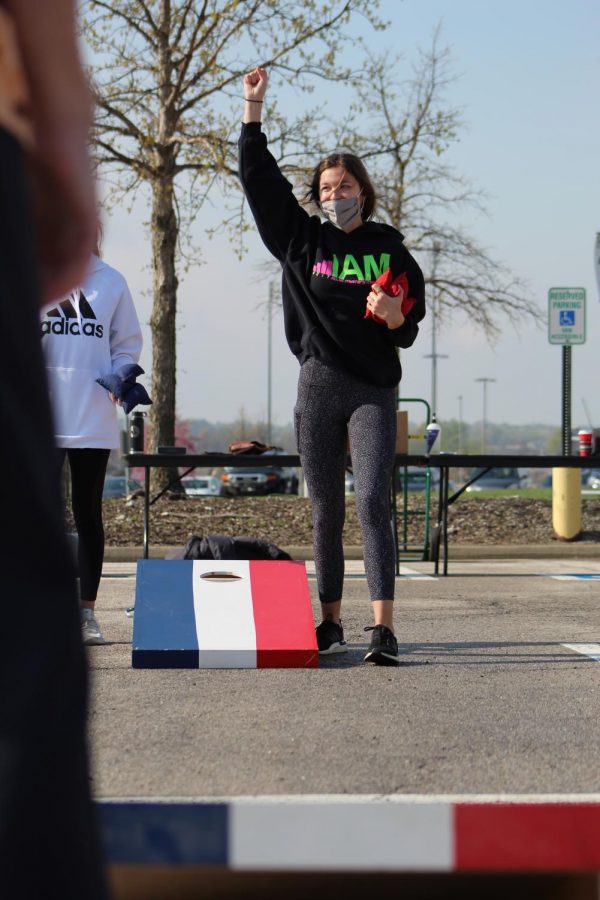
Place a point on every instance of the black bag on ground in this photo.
(219, 546)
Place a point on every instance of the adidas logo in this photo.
(63, 319)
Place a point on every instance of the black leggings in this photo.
(88, 468)
(332, 405)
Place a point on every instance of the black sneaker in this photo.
(330, 638)
(384, 646)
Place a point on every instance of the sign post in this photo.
(566, 326)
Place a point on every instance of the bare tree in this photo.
(167, 80)
(403, 139)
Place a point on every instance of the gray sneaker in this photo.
(90, 630)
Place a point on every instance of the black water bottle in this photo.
(136, 432)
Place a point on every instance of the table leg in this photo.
(146, 510)
(436, 559)
(445, 518)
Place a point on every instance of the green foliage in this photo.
(463, 437)
(403, 129)
(168, 85)
(216, 436)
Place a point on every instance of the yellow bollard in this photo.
(566, 503)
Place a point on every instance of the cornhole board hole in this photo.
(222, 614)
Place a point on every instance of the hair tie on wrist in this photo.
(249, 100)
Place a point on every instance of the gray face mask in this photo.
(344, 212)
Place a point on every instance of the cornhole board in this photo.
(222, 614)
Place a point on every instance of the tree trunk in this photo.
(162, 322)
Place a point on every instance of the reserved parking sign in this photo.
(566, 315)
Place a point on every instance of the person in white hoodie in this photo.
(90, 333)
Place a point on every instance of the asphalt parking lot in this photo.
(498, 693)
(495, 707)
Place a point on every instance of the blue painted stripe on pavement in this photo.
(173, 833)
(164, 625)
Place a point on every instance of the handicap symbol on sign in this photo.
(566, 317)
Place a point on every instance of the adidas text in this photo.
(64, 326)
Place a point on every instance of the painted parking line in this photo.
(591, 650)
(357, 567)
(412, 573)
(577, 577)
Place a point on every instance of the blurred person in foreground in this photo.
(48, 839)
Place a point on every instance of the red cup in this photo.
(585, 442)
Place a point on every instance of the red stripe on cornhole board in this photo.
(283, 619)
(549, 837)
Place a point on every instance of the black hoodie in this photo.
(327, 274)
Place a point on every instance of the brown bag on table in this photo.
(240, 447)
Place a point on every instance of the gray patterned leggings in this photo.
(331, 405)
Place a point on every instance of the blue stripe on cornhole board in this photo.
(175, 833)
(164, 625)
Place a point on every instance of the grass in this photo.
(523, 493)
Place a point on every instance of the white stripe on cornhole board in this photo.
(224, 616)
(341, 836)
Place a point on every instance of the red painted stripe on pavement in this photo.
(548, 837)
(285, 628)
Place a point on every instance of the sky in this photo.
(528, 77)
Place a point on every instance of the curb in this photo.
(556, 550)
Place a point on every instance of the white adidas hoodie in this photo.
(91, 332)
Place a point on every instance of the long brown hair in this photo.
(355, 167)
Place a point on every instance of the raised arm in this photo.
(255, 88)
(277, 213)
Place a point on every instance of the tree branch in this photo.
(128, 19)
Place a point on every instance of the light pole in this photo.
(434, 355)
(484, 382)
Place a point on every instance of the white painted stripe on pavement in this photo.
(583, 577)
(338, 836)
(591, 650)
(357, 567)
(224, 616)
(405, 571)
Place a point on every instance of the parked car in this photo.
(237, 480)
(496, 479)
(202, 485)
(119, 486)
(593, 480)
(414, 478)
(590, 480)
